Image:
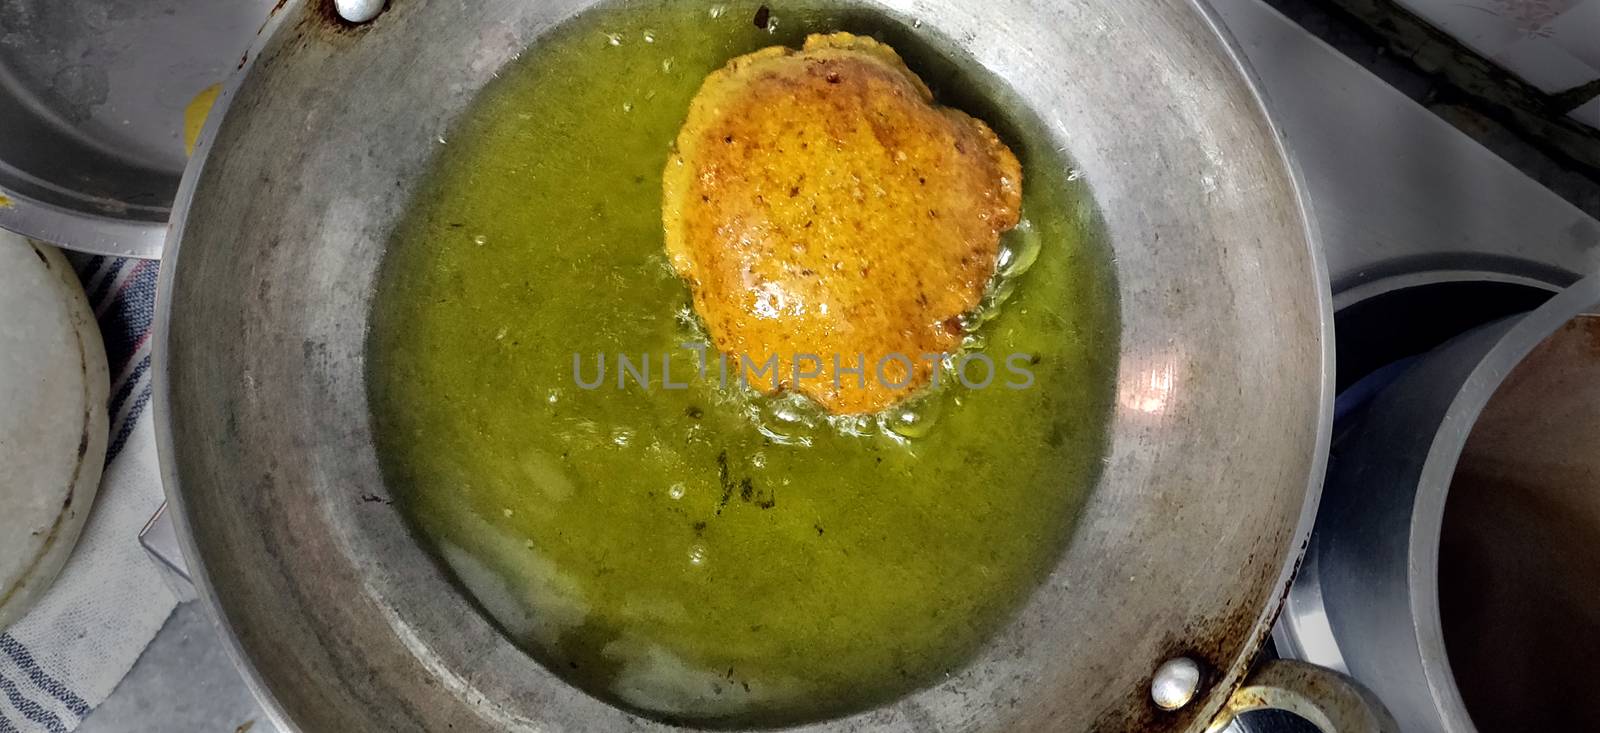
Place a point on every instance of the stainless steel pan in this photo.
(1183, 551)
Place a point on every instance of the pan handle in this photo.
(1331, 701)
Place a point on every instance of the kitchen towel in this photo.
(63, 658)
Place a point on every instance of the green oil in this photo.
(707, 555)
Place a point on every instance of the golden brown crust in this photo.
(818, 202)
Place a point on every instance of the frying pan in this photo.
(1217, 440)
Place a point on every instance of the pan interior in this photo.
(706, 554)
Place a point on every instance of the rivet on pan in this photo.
(358, 11)
(1175, 683)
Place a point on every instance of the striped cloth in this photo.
(63, 658)
(123, 295)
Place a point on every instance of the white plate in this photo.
(53, 388)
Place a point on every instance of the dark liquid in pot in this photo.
(1519, 585)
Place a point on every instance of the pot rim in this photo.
(1438, 471)
(160, 388)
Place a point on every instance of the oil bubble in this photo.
(787, 419)
(787, 411)
(914, 419)
(998, 297)
(853, 425)
(1018, 250)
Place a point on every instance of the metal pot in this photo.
(1368, 600)
(93, 97)
(1183, 551)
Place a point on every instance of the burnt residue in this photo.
(375, 499)
(1142, 714)
(764, 498)
(40, 254)
(744, 487)
(725, 480)
(1215, 644)
(763, 19)
(322, 16)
